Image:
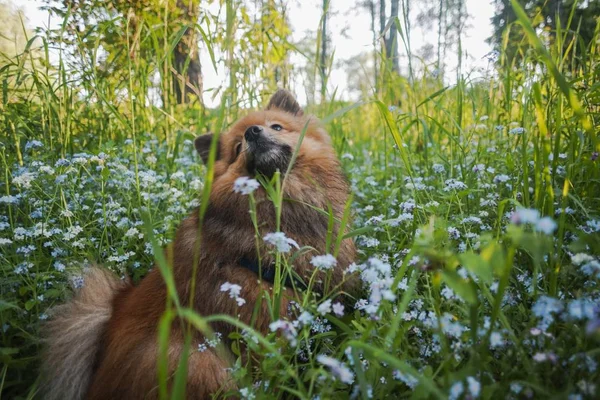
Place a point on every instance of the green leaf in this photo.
(477, 265)
(30, 304)
(461, 287)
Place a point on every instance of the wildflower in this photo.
(347, 156)
(60, 267)
(453, 233)
(541, 357)
(496, 340)
(210, 342)
(305, 318)
(456, 390)
(324, 262)
(134, 232)
(502, 178)
(246, 393)
(320, 326)
(5, 241)
(325, 307)
(545, 225)
(9, 200)
(474, 386)
(280, 241)
(544, 307)
(517, 131)
(478, 168)
(287, 329)
(408, 379)
(516, 387)
(453, 184)
(337, 368)
(438, 168)
(234, 292)
(245, 185)
(33, 144)
(338, 309)
(24, 180)
(581, 308)
(525, 216)
(593, 225)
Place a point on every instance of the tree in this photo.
(546, 16)
(323, 50)
(186, 58)
(390, 36)
(90, 23)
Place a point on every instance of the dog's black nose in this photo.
(253, 133)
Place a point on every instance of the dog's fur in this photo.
(103, 344)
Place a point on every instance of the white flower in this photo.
(456, 390)
(133, 232)
(525, 216)
(581, 258)
(280, 241)
(545, 225)
(305, 318)
(287, 329)
(325, 262)
(474, 386)
(516, 131)
(453, 233)
(246, 393)
(496, 340)
(9, 200)
(544, 307)
(24, 180)
(60, 267)
(581, 308)
(338, 309)
(453, 184)
(324, 307)
(234, 292)
(438, 168)
(245, 185)
(5, 241)
(337, 368)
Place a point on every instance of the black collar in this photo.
(267, 272)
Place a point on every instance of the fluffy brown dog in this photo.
(103, 343)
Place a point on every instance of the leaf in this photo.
(5, 305)
(30, 304)
(480, 267)
(460, 286)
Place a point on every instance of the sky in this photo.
(350, 35)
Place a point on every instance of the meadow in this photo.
(475, 208)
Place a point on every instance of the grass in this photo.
(475, 209)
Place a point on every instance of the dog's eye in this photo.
(276, 127)
(238, 149)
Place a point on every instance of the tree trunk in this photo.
(187, 77)
(371, 6)
(392, 47)
(382, 24)
(323, 60)
(439, 65)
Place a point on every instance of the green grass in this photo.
(473, 303)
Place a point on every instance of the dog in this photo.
(103, 344)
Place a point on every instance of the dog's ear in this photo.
(285, 101)
(203, 143)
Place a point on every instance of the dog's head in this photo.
(263, 142)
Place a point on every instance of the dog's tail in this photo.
(73, 335)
